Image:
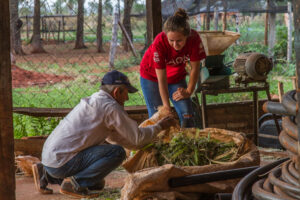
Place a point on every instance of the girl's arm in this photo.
(163, 87)
(183, 93)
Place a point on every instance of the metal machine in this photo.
(214, 73)
(252, 67)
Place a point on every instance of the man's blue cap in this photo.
(115, 77)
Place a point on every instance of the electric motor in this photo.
(252, 67)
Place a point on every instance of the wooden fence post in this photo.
(7, 168)
(63, 27)
(154, 19)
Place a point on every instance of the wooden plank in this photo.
(277, 154)
(61, 112)
(7, 169)
(29, 146)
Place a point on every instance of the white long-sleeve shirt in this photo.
(91, 122)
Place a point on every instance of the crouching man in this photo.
(77, 149)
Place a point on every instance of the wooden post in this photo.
(280, 91)
(216, 18)
(63, 27)
(154, 19)
(272, 34)
(204, 22)
(127, 39)
(267, 24)
(290, 30)
(198, 22)
(225, 15)
(207, 24)
(7, 161)
(58, 31)
(296, 11)
(48, 29)
(27, 28)
(237, 24)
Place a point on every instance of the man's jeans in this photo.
(183, 107)
(91, 165)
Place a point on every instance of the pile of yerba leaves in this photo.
(196, 151)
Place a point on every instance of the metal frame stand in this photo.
(253, 89)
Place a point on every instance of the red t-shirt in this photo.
(160, 55)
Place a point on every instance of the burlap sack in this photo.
(149, 181)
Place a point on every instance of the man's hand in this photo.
(168, 111)
(181, 93)
(167, 122)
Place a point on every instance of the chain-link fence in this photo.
(60, 74)
(62, 48)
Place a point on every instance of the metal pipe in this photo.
(210, 177)
(275, 108)
(288, 142)
(274, 179)
(289, 127)
(289, 102)
(287, 176)
(259, 193)
(223, 196)
(250, 178)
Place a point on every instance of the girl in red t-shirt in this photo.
(163, 68)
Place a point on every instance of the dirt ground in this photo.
(25, 78)
(25, 189)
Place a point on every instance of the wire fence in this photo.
(62, 75)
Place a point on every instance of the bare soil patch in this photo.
(22, 78)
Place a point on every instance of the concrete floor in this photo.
(25, 189)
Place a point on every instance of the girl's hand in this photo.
(181, 93)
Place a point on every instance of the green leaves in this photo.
(33, 126)
(188, 151)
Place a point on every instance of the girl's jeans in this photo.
(183, 107)
(90, 166)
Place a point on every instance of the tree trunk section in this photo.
(296, 11)
(100, 48)
(36, 43)
(114, 39)
(127, 24)
(15, 28)
(80, 21)
(7, 161)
